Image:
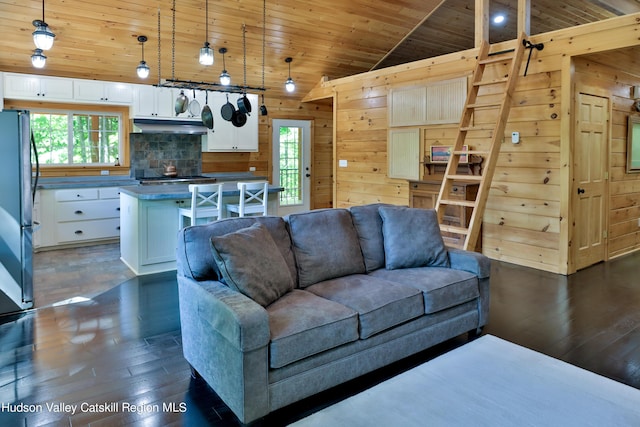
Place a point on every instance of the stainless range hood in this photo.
(169, 126)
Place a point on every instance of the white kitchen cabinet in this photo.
(79, 215)
(27, 86)
(103, 92)
(149, 231)
(153, 102)
(227, 137)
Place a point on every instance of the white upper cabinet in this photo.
(227, 137)
(153, 102)
(103, 92)
(26, 86)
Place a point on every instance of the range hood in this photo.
(169, 126)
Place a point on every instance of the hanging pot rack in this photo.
(195, 85)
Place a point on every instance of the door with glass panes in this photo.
(292, 164)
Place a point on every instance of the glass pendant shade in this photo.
(38, 60)
(143, 70)
(42, 36)
(206, 54)
(225, 78)
(290, 85)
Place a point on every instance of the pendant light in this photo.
(143, 68)
(206, 53)
(38, 60)
(42, 36)
(225, 78)
(289, 84)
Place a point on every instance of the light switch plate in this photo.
(343, 163)
(515, 137)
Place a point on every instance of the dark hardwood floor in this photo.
(123, 347)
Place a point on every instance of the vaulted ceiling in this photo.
(97, 39)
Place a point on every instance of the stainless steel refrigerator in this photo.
(16, 204)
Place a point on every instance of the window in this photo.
(290, 162)
(76, 137)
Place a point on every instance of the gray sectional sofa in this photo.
(274, 309)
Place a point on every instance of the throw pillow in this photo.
(412, 238)
(251, 263)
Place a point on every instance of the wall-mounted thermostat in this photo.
(515, 137)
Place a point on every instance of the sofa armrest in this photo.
(473, 262)
(235, 317)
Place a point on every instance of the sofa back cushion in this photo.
(368, 224)
(325, 244)
(251, 263)
(195, 258)
(412, 238)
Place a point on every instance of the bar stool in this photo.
(206, 202)
(253, 199)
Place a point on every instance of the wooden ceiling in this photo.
(98, 40)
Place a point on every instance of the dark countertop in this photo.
(84, 181)
(179, 191)
(123, 181)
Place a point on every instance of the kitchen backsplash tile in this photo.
(150, 152)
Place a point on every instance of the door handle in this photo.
(580, 190)
(308, 175)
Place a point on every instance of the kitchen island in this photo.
(149, 222)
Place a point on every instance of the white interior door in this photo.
(292, 164)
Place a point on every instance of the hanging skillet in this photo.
(194, 106)
(207, 115)
(227, 110)
(239, 119)
(181, 103)
(243, 104)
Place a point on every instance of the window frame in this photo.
(88, 111)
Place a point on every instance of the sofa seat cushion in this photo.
(325, 244)
(412, 238)
(442, 287)
(303, 324)
(380, 304)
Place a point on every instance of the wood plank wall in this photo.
(527, 217)
(321, 113)
(624, 188)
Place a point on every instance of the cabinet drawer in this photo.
(89, 210)
(88, 230)
(76, 194)
(109, 193)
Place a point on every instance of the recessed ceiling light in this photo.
(498, 19)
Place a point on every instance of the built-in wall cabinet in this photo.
(145, 101)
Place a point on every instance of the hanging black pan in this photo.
(207, 115)
(227, 110)
(239, 119)
(243, 104)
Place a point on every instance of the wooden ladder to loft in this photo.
(471, 232)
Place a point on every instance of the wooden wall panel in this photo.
(624, 188)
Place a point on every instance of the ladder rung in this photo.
(465, 177)
(481, 127)
(453, 229)
(491, 82)
(489, 105)
(494, 59)
(472, 152)
(466, 203)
